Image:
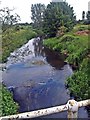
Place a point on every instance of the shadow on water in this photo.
(36, 75)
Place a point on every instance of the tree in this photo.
(88, 15)
(7, 19)
(37, 11)
(57, 15)
(83, 15)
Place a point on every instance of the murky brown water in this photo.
(36, 76)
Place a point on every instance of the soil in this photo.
(84, 32)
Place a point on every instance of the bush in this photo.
(7, 104)
(76, 48)
(14, 38)
(81, 28)
(66, 38)
(79, 82)
(61, 31)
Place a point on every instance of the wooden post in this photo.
(72, 110)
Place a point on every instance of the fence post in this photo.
(72, 110)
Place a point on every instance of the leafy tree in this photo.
(37, 11)
(57, 15)
(83, 15)
(7, 19)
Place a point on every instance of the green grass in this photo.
(14, 38)
(79, 82)
(74, 45)
(7, 104)
(76, 48)
(81, 27)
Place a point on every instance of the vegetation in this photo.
(88, 15)
(15, 37)
(54, 16)
(37, 15)
(7, 105)
(57, 15)
(75, 46)
(7, 19)
(79, 82)
(83, 15)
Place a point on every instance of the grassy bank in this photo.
(7, 105)
(75, 45)
(15, 37)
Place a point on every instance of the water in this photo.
(36, 76)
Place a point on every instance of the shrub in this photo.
(67, 38)
(14, 38)
(79, 82)
(7, 104)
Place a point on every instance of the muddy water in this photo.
(36, 76)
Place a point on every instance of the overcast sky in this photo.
(22, 7)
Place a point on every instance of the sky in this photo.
(23, 7)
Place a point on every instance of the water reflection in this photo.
(54, 59)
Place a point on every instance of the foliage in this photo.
(61, 31)
(7, 105)
(83, 15)
(81, 27)
(39, 32)
(79, 82)
(37, 11)
(73, 45)
(7, 19)
(67, 38)
(57, 15)
(76, 48)
(88, 16)
(51, 42)
(14, 38)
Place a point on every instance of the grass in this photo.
(81, 27)
(76, 48)
(14, 38)
(7, 104)
(74, 45)
(79, 82)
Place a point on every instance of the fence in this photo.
(71, 107)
